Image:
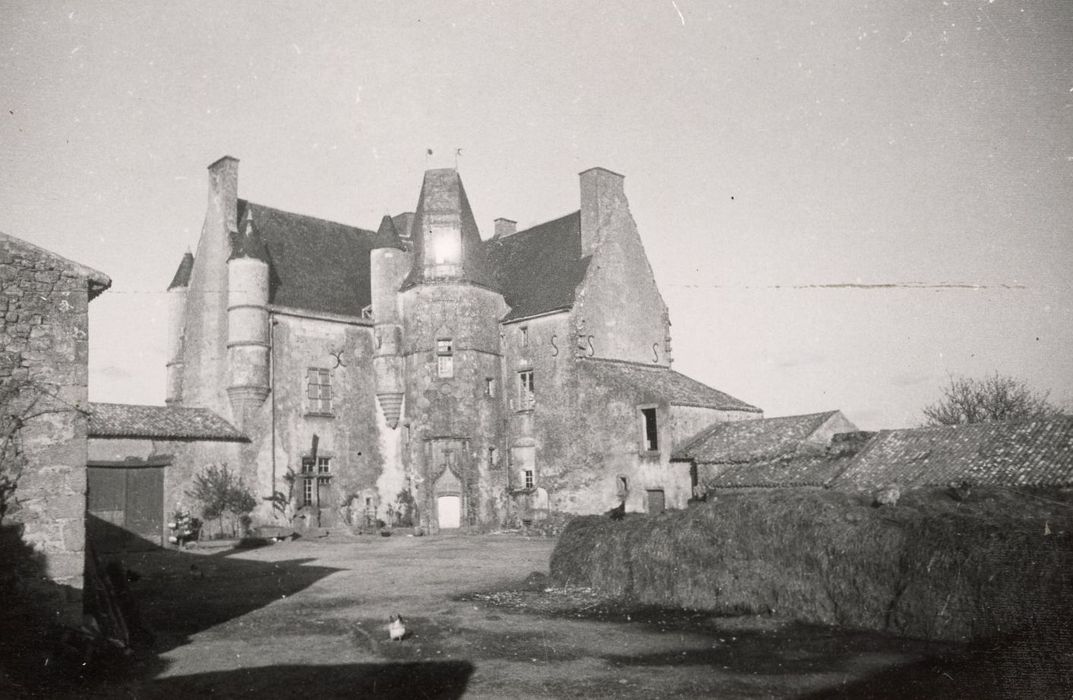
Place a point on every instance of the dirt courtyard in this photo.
(309, 618)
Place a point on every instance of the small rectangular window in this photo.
(307, 492)
(526, 390)
(493, 458)
(319, 390)
(490, 386)
(523, 334)
(324, 465)
(445, 361)
(649, 430)
(528, 478)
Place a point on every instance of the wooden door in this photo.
(656, 501)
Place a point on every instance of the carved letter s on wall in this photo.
(555, 348)
(592, 349)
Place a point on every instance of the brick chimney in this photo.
(602, 194)
(505, 227)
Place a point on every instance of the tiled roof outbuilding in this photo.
(1002, 453)
(117, 420)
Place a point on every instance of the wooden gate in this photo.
(125, 505)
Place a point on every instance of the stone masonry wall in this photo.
(43, 355)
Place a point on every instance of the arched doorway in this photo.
(449, 512)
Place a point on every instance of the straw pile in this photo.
(929, 567)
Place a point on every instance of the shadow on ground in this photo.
(431, 679)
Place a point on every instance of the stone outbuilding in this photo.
(44, 347)
(786, 451)
(422, 375)
(142, 459)
(1035, 453)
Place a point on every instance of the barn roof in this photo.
(1003, 453)
(752, 440)
(662, 382)
(118, 420)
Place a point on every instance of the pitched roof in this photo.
(752, 440)
(96, 281)
(315, 264)
(1006, 453)
(117, 420)
(387, 236)
(807, 468)
(182, 273)
(663, 382)
(539, 268)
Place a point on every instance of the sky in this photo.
(844, 203)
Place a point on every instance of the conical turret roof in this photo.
(387, 236)
(443, 206)
(245, 243)
(182, 273)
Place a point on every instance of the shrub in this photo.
(222, 493)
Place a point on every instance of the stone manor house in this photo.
(421, 370)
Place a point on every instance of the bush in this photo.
(222, 493)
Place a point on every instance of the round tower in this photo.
(389, 265)
(450, 344)
(247, 322)
(173, 394)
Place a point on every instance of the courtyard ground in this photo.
(308, 618)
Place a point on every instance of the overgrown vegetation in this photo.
(224, 496)
(993, 398)
(929, 567)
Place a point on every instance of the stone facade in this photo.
(480, 382)
(43, 373)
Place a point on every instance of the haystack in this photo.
(929, 567)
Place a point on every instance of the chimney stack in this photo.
(505, 227)
(223, 190)
(602, 194)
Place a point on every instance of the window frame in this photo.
(649, 428)
(445, 358)
(323, 403)
(526, 390)
(528, 478)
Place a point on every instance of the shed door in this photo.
(656, 502)
(125, 507)
(145, 505)
(449, 511)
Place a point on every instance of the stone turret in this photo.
(176, 319)
(247, 321)
(450, 313)
(389, 265)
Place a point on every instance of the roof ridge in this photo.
(533, 228)
(249, 203)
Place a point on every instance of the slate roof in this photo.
(117, 420)
(315, 264)
(182, 273)
(539, 268)
(674, 387)
(1008, 453)
(752, 440)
